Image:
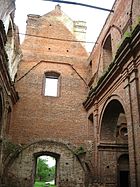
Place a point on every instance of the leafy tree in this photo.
(43, 171)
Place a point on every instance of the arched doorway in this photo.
(113, 143)
(45, 170)
(112, 121)
(69, 168)
(107, 53)
(123, 171)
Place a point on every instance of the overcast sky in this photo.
(50, 160)
(94, 18)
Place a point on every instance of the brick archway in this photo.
(110, 119)
(113, 140)
(70, 172)
(106, 104)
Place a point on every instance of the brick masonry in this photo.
(37, 117)
(98, 105)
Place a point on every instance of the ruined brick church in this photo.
(90, 123)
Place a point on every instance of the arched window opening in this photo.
(113, 123)
(107, 53)
(9, 34)
(45, 171)
(10, 44)
(91, 126)
(52, 84)
(90, 118)
(90, 63)
(123, 171)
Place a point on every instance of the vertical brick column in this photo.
(96, 136)
(132, 113)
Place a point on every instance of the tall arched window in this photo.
(10, 41)
(52, 84)
(90, 118)
(107, 52)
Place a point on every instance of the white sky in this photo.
(50, 160)
(94, 18)
(51, 87)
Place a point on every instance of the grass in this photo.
(42, 184)
(39, 184)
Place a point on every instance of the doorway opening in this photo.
(45, 171)
(123, 164)
(124, 178)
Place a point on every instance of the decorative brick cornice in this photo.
(128, 49)
(110, 146)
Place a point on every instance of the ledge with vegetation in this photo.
(129, 43)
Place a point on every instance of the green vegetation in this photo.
(39, 184)
(42, 184)
(44, 173)
(80, 150)
(10, 149)
(126, 36)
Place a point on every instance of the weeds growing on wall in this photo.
(10, 148)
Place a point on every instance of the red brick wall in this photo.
(37, 117)
(124, 87)
(118, 24)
